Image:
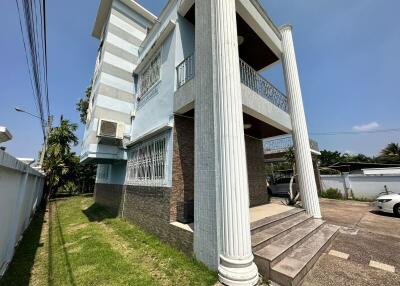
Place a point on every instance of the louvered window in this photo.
(150, 75)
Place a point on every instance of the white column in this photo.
(219, 117)
(308, 187)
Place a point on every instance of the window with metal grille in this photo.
(147, 162)
(151, 75)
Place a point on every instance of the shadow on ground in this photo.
(379, 213)
(97, 213)
(20, 270)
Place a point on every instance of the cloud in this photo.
(366, 127)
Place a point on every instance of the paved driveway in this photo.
(365, 236)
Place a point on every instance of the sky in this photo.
(347, 54)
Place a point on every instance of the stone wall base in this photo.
(149, 208)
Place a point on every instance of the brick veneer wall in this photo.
(183, 169)
(109, 196)
(182, 194)
(149, 207)
(256, 171)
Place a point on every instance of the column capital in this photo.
(286, 27)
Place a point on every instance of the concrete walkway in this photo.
(259, 212)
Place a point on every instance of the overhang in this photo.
(155, 46)
(5, 135)
(104, 10)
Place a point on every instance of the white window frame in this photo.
(149, 71)
(147, 163)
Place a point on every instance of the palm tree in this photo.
(392, 149)
(390, 154)
(59, 159)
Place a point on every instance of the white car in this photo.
(389, 204)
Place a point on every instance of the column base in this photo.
(237, 272)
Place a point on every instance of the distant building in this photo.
(366, 168)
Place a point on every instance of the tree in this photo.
(58, 157)
(329, 158)
(63, 169)
(356, 158)
(392, 149)
(390, 154)
(289, 156)
(83, 104)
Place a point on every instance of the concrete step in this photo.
(275, 232)
(273, 253)
(268, 222)
(291, 270)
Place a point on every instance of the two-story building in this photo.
(176, 121)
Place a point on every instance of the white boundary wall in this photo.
(21, 189)
(362, 186)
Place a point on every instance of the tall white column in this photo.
(308, 187)
(220, 158)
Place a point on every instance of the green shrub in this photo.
(332, 194)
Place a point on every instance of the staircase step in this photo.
(291, 270)
(267, 222)
(262, 238)
(273, 253)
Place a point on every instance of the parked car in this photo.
(389, 204)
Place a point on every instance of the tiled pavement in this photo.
(366, 252)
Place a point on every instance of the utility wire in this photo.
(355, 132)
(35, 45)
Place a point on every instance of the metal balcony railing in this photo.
(283, 143)
(248, 76)
(253, 80)
(185, 71)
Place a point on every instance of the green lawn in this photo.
(78, 243)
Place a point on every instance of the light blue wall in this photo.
(156, 107)
(118, 171)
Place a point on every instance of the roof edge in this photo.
(104, 10)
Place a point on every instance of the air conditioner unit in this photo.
(110, 129)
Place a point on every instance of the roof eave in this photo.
(104, 10)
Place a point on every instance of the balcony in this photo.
(248, 76)
(282, 144)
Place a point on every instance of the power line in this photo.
(332, 133)
(35, 45)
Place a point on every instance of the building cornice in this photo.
(104, 10)
(264, 13)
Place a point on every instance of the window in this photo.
(147, 162)
(103, 173)
(150, 75)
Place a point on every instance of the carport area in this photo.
(366, 251)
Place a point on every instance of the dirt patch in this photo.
(76, 227)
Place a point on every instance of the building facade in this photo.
(177, 118)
